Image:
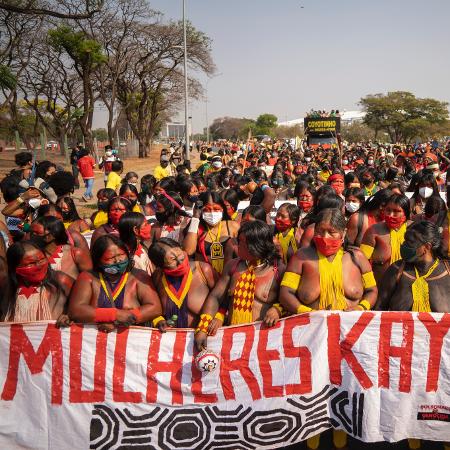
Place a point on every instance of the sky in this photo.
(273, 56)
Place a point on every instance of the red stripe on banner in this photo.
(241, 364)
(76, 393)
(386, 350)
(301, 352)
(175, 367)
(120, 358)
(21, 345)
(339, 350)
(437, 331)
(264, 358)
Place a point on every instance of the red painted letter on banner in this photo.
(437, 331)
(386, 350)
(19, 344)
(292, 351)
(339, 350)
(241, 364)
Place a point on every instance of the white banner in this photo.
(378, 376)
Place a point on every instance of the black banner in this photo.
(322, 126)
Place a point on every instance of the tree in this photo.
(62, 9)
(86, 55)
(402, 115)
(265, 124)
(357, 132)
(281, 132)
(231, 128)
(152, 86)
(100, 134)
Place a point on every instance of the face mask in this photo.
(182, 268)
(327, 246)
(338, 187)
(308, 159)
(370, 162)
(161, 217)
(226, 182)
(66, 215)
(35, 202)
(345, 162)
(217, 164)
(408, 253)
(193, 198)
(102, 206)
(164, 164)
(367, 181)
(305, 205)
(425, 192)
(394, 222)
(108, 154)
(33, 274)
(133, 184)
(116, 268)
(114, 216)
(145, 231)
(283, 224)
(212, 218)
(352, 207)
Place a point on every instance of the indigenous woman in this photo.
(172, 220)
(336, 181)
(183, 285)
(36, 292)
(208, 236)
(287, 234)
(247, 290)
(420, 282)
(305, 199)
(370, 213)
(130, 192)
(74, 238)
(100, 217)
(61, 255)
(425, 187)
(230, 201)
(135, 232)
(188, 192)
(113, 294)
(71, 219)
(381, 242)
(324, 276)
(354, 200)
(117, 207)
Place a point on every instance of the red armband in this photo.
(137, 313)
(105, 314)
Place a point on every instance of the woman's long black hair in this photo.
(259, 238)
(101, 244)
(127, 223)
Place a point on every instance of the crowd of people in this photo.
(254, 232)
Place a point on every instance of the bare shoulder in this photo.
(85, 277)
(233, 227)
(141, 276)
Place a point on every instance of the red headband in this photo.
(171, 200)
(336, 177)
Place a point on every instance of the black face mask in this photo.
(161, 217)
(102, 206)
(192, 198)
(367, 181)
(66, 215)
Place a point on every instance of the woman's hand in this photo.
(214, 326)
(200, 339)
(271, 317)
(162, 326)
(125, 317)
(63, 321)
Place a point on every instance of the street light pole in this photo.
(186, 94)
(207, 119)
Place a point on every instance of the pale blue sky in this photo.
(276, 57)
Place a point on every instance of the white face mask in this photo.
(425, 192)
(308, 159)
(370, 162)
(108, 154)
(217, 164)
(352, 207)
(133, 184)
(35, 202)
(212, 218)
(345, 162)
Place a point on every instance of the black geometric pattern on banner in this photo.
(211, 428)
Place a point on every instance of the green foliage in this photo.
(402, 115)
(100, 134)
(83, 51)
(265, 124)
(7, 79)
(231, 128)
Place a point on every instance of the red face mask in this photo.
(305, 205)
(338, 187)
(33, 274)
(327, 246)
(283, 224)
(114, 216)
(145, 231)
(180, 270)
(394, 222)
